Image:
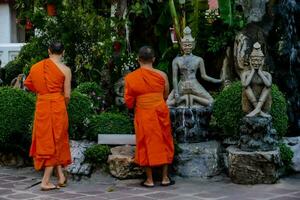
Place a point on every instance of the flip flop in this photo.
(145, 185)
(51, 188)
(172, 182)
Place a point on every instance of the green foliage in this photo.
(109, 123)
(279, 111)
(10, 71)
(79, 110)
(286, 155)
(97, 154)
(17, 111)
(94, 92)
(228, 110)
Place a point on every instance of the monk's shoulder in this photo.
(131, 75)
(163, 74)
(66, 69)
(37, 65)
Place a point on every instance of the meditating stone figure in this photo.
(188, 92)
(256, 99)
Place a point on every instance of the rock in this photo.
(12, 160)
(294, 144)
(78, 167)
(121, 163)
(253, 167)
(190, 125)
(257, 134)
(199, 159)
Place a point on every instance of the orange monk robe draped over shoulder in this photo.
(154, 142)
(50, 141)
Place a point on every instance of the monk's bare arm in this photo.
(67, 85)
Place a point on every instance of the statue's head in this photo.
(257, 57)
(187, 42)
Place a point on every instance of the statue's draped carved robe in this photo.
(50, 141)
(154, 142)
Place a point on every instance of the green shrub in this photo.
(79, 110)
(94, 91)
(286, 155)
(17, 111)
(11, 70)
(228, 110)
(109, 123)
(97, 154)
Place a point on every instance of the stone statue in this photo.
(18, 82)
(188, 92)
(119, 89)
(257, 85)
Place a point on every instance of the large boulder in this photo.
(121, 163)
(253, 167)
(78, 166)
(202, 159)
(294, 144)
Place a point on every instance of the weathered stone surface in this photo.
(199, 159)
(253, 167)
(10, 159)
(121, 163)
(190, 125)
(78, 167)
(257, 134)
(294, 144)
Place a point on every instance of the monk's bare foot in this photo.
(147, 183)
(165, 180)
(263, 114)
(253, 113)
(48, 186)
(62, 181)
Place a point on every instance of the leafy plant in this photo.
(286, 155)
(109, 123)
(80, 110)
(97, 154)
(228, 110)
(94, 92)
(17, 109)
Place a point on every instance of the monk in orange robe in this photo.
(50, 79)
(146, 90)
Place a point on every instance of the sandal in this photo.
(145, 185)
(171, 182)
(50, 188)
(64, 184)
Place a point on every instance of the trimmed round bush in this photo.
(16, 116)
(228, 110)
(97, 154)
(94, 91)
(79, 111)
(109, 123)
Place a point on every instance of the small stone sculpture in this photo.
(256, 97)
(188, 92)
(119, 89)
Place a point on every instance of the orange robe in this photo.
(50, 141)
(154, 142)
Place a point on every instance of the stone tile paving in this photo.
(18, 183)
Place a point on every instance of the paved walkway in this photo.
(15, 184)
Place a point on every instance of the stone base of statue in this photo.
(190, 125)
(199, 159)
(257, 134)
(253, 167)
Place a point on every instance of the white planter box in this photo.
(116, 139)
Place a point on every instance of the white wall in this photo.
(5, 23)
(8, 52)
